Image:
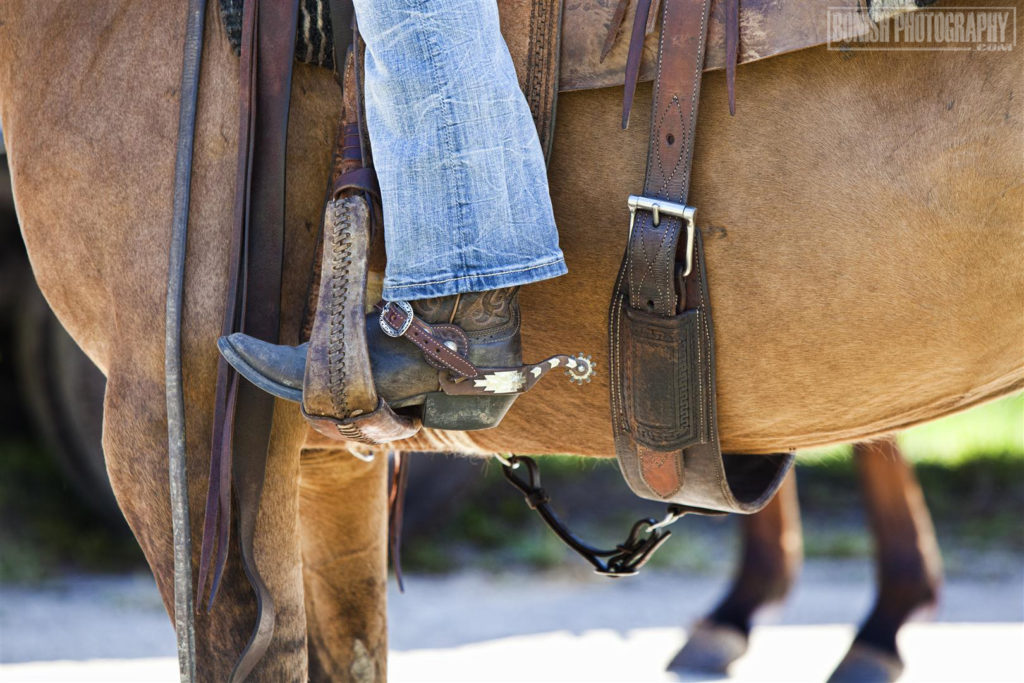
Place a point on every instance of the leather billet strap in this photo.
(261, 316)
(661, 334)
(444, 346)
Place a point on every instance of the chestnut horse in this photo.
(848, 195)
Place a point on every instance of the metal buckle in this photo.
(660, 206)
(409, 315)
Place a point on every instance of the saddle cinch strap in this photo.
(660, 330)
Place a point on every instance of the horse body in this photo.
(862, 223)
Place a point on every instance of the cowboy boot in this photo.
(450, 362)
(462, 370)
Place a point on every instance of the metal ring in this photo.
(505, 461)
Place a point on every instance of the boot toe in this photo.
(277, 369)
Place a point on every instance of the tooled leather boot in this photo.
(484, 327)
(453, 361)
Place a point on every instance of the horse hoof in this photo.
(867, 664)
(710, 648)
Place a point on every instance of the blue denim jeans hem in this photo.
(462, 176)
(477, 282)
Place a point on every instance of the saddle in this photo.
(661, 334)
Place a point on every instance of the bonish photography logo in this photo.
(931, 29)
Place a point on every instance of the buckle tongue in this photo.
(657, 207)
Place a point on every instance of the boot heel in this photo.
(464, 413)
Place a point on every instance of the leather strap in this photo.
(217, 518)
(661, 334)
(275, 40)
(541, 83)
(341, 15)
(673, 124)
(184, 614)
(243, 414)
(635, 54)
(532, 30)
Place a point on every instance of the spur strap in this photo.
(661, 335)
(441, 344)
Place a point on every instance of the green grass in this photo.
(993, 428)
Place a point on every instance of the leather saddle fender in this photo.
(660, 329)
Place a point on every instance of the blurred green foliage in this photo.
(46, 528)
(995, 428)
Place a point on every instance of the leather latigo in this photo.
(444, 346)
(768, 28)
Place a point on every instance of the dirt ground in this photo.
(560, 626)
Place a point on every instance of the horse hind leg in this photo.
(908, 563)
(771, 559)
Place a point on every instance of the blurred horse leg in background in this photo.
(907, 560)
(771, 559)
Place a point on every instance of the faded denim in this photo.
(462, 176)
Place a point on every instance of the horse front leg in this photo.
(343, 508)
(907, 560)
(135, 446)
(771, 559)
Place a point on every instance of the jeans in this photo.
(462, 176)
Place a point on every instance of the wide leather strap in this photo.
(661, 333)
(275, 41)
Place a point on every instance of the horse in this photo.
(849, 194)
